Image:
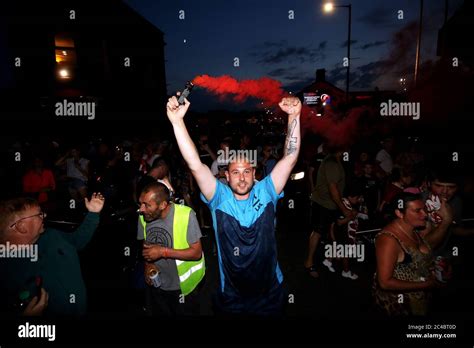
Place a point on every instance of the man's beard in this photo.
(152, 217)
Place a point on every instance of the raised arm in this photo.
(337, 198)
(435, 234)
(61, 161)
(282, 170)
(83, 234)
(205, 180)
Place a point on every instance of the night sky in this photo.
(268, 43)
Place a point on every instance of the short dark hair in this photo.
(398, 173)
(160, 162)
(402, 199)
(225, 142)
(446, 174)
(162, 193)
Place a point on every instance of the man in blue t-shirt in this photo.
(243, 216)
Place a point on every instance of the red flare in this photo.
(337, 130)
(269, 91)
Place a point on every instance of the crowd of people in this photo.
(184, 188)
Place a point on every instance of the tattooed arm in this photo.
(282, 170)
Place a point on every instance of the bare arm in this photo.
(337, 198)
(193, 253)
(282, 170)
(60, 162)
(205, 180)
(435, 235)
(155, 252)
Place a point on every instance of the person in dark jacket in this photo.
(40, 267)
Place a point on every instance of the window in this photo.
(65, 56)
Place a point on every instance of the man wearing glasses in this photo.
(52, 284)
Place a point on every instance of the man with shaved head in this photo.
(243, 216)
(172, 248)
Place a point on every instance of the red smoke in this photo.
(337, 130)
(267, 90)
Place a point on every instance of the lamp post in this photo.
(418, 43)
(329, 7)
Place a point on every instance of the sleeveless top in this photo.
(415, 267)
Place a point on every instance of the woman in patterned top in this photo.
(404, 275)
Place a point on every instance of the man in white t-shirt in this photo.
(383, 158)
(77, 171)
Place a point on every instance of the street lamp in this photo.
(418, 44)
(64, 73)
(329, 7)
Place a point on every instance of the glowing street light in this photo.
(64, 73)
(328, 7)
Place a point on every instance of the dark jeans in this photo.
(171, 304)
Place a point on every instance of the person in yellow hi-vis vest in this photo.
(172, 252)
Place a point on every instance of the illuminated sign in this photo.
(312, 98)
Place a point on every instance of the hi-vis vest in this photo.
(190, 272)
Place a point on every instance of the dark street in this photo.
(112, 294)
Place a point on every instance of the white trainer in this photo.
(350, 275)
(328, 264)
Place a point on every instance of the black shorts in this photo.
(322, 218)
